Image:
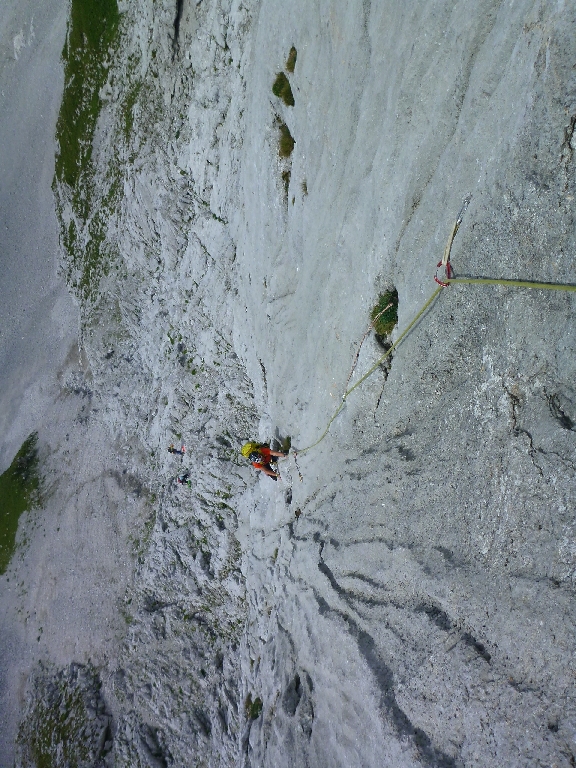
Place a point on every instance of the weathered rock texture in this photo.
(419, 611)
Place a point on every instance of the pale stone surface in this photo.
(420, 609)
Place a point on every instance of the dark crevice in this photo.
(556, 410)
(177, 20)
(263, 369)
(517, 430)
(436, 615)
(151, 741)
(428, 753)
(203, 720)
(152, 604)
(471, 641)
(567, 150)
(449, 556)
(292, 696)
(348, 595)
(365, 579)
(390, 546)
(406, 454)
(325, 570)
(522, 687)
(445, 623)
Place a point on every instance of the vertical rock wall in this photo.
(419, 608)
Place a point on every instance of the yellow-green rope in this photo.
(388, 352)
(406, 331)
(512, 283)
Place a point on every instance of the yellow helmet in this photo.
(249, 448)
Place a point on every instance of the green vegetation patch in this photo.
(282, 89)
(253, 708)
(384, 314)
(92, 31)
(19, 492)
(286, 144)
(90, 44)
(291, 60)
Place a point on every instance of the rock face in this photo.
(66, 722)
(404, 596)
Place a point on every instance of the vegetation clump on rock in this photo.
(93, 33)
(384, 313)
(291, 61)
(286, 144)
(253, 707)
(282, 89)
(19, 491)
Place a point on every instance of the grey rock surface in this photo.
(66, 722)
(404, 596)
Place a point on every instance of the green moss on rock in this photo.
(252, 707)
(384, 314)
(286, 143)
(282, 89)
(291, 61)
(19, 492)
(92, 30)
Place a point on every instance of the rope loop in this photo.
(447, 275)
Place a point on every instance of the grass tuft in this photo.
(286, 144)
(291, 61)
(282, 89)
(19, 492)
(92, 31)
(253, 708)
(384, 314)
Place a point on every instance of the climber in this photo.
(179, 451)
(184, 479)
(261, 456)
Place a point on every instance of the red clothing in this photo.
(264, 451)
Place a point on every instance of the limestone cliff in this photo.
(227, 244)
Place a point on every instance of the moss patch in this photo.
(286, 144)
(282, 89)
(92, 32)
(19, 492)
(90, 44)
(384, 314)
(253, 708)
(291, 60)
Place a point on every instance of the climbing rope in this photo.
(443, 281)
(512, 283)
